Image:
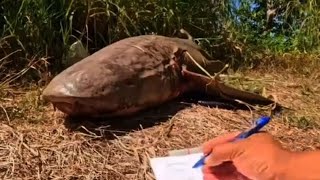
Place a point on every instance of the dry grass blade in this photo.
(12, 78)
(5, 112)
(199, 66)
(216, 76)
(7, 56)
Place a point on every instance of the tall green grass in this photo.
(35, 32)
(47, 28)
(295, 28)
(32, 30)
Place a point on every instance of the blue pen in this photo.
(260, 123)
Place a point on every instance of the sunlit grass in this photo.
(35, 29)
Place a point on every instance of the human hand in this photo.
(224, 171)
(259, 156)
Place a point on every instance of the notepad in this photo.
(177, 167)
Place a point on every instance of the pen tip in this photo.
(199, 163)
(195, 166)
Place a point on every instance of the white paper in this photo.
(177, 167)
(182, 152)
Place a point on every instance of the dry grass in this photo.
(38, 143)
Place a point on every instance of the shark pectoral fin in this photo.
(200, 82)
(214, 66)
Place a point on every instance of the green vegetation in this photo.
(40, 142)
(36, 32)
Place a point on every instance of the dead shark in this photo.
(136, 73)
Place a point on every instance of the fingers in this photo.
(207, 147)
(222, 150)
(208, 175)
(223, 153)
(225, 171)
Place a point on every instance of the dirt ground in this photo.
(38, 143)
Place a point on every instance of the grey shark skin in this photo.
(133, 74)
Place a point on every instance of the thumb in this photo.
(222, 153)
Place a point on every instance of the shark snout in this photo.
(77, 97)
(58, 90)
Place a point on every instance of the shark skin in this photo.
(136, 73)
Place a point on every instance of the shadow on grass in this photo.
(120, 126)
